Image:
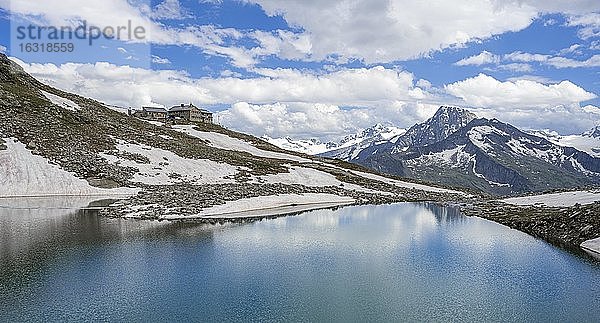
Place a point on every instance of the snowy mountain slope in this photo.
(443, 123)
(346, 149)
(223, 141)
(594, 132)
(26, 174)
(353, 145)
(304, 146)
(158, 166)
(67, 144)
(487, 155)
(588, 142)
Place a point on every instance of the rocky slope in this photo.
(57, 143)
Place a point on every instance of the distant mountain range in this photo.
(345, 149)
(589, 141)
(456, 148)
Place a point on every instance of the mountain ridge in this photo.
(509, 160)
(456, 148)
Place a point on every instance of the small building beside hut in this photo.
(152, 113)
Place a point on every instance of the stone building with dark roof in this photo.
(152, 113)
(190, 112)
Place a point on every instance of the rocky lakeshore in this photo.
(562, 226)
(565, 226)
(188, 200)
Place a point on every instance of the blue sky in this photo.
(324, 68)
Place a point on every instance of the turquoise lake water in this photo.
(401, 262)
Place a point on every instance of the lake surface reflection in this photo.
(365, 263)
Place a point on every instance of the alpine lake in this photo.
(399, 262)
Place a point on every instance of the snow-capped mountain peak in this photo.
(444, 122)
(376, 132)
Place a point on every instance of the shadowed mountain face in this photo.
(446, 121)
(455, 148)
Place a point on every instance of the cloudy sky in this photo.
(312, 68)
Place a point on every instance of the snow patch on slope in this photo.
(564, 199)
(25, 174)
(555, 155)
(165, 164)
(269, 205)
(552, 155)
(302, 176)
(62, 102)
(221, 141)
(403, 184)
(478, 134)
(312, 178)
(592, 245)
(455, 157)
(305, 146)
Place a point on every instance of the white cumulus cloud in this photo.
(554, 61)
(388, 30)
(482, 58)
(281, 102)
(125, 85)
(527, 103)
(485, 91)
(589, 22)
(374, 31)
(210, 39)
(316, 120)
(384, 31)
